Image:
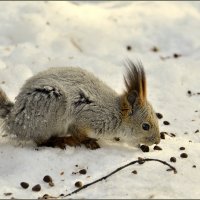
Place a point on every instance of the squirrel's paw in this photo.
(61, 142)
(54, 142)
(91, 143)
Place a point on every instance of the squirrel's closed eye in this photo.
(146, 126)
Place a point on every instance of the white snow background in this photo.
(94, 35)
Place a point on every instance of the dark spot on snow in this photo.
(159, 115)
(172, 135)
(182, 148)
(134, 172)
(79, 184)
(162, 135)
(144, 148)
(189, 92)
(7, 193)
(117, 139)
(184, 155)
(83, 171)
(172, 159)
(157, 148)
(128, 47)
(24, 185)
(197, 131)
(141, 160)
(36, 188)
(176, 55)
(166, 123)
(51, 184)
(155, 49)
(47, 179)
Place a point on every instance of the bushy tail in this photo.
(5, 104)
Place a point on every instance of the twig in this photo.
(140, 161)
(76, 45)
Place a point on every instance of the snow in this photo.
(94, 36)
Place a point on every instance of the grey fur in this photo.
(60, 100)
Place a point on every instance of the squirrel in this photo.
(70, 106)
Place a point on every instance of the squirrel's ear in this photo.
(135, 80)
(132, 97)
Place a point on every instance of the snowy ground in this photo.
(95, 36)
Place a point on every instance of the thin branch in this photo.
(140, 161)
(76, 45)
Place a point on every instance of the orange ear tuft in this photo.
(135, 80)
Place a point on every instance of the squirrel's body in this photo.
(70, 101)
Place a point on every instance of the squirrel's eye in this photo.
(145, 126)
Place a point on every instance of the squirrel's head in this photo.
(139, 118)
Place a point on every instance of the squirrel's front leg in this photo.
(81, 134)
(77, 137)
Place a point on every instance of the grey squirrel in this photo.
(69, 105)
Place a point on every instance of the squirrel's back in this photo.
(71, 77)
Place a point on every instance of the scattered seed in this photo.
(144, 148)
(61, 173)
(79, 184)
(172, 159)
(76, 165)
(166, 123)
(36, 188)
(24, 185)
(189, 92)
(141, 160)
(7, 193)
(197, 131)
(175, 55)
(83, 171)
(194, 166)
(183, 155)
(157, 148)
(182, 148)
(159, 115)
(134, 172)
(154, 49)
(162, 135)
(51, 184)
(61, 195)
(117, 139)
(129, 48)
(172, 135)
(47, 179)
